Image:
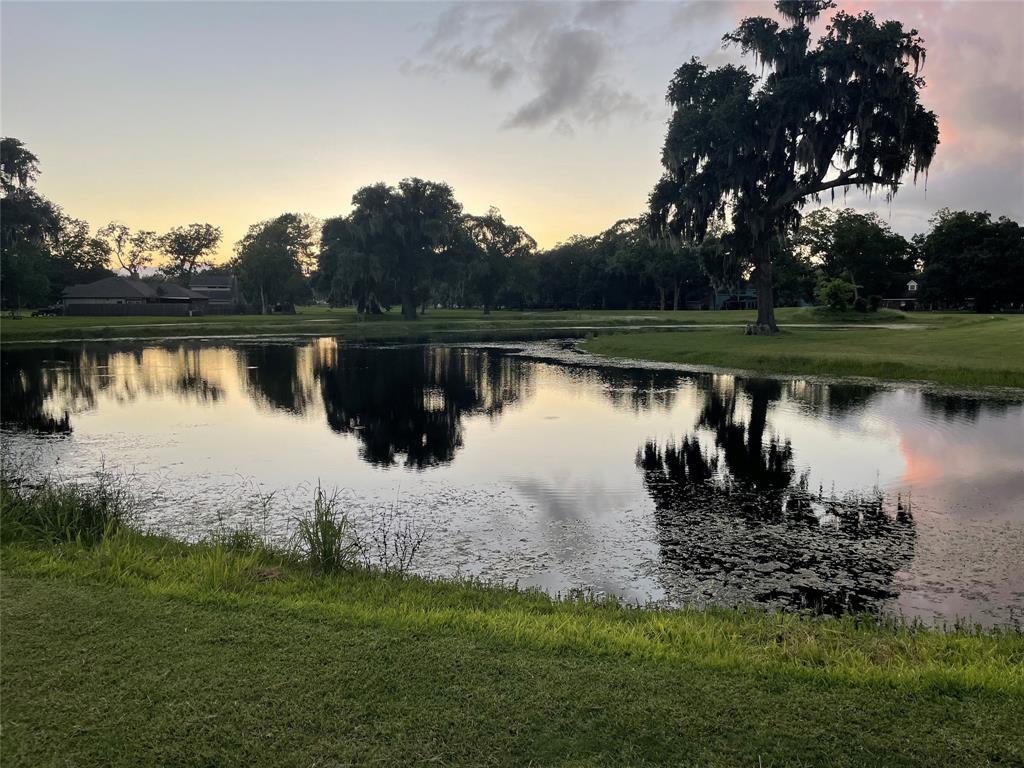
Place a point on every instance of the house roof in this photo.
(213, 281)
(128, 288)
(110, 288)
(174, 291)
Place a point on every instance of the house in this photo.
(908, 301)
(743, 296)
(222, 291)
(127, 296)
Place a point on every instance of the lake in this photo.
(539, 465)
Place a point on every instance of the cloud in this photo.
(564, 53)
(597, 12)
(567, 72)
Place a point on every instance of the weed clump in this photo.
(50, 511)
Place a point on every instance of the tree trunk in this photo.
(675, 296)
(408, 307)
(764, 282)
(263, 301)
(661, 298)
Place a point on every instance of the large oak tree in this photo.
(843, 113)
(397, 235)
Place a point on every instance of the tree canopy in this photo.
(188, 249)
(269, 259)
(392, 243)
(844, 113)
(498, 245)
(19, 167)
(968, 256)
(859, 248)
(42, 249)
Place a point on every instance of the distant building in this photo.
(908, 302)
(221, 290)
(127, 296)
(743, 296)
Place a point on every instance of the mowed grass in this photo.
(139, 650)
(958, 349)
(962, 351)
(346, 323)
(342, 322)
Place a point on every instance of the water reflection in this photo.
(43, 387)
(407, 404)
(28, 379)
(654, 484)
(737, 523)
(279, 376)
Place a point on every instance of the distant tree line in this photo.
(743, 155)
(411, 247)
(44, 250)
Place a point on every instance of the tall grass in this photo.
(325, 537)
(50, 511)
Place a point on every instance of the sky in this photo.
(166, 113)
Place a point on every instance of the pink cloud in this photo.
(974, 78)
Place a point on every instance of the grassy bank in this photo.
(436, 324)
(126, 649)
(968, 351)
(963, 350)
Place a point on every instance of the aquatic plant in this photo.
(325, 536)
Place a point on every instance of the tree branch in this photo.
(847, 178)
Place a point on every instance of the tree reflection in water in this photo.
(43, 387)
(737, 524)
(407, 403)
(278, 376)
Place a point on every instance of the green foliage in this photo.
(951, 350)
(968, 256)
(325, 537)
(835, 293)
(25, 269)
(42, 250)
(857, 247)
(188, 249)
(19, 167)
(496, 247)
(117, 237)
(760, 150)
(352, 272)
(52, 512)
(795, 275)
(269, 260)
(396, 242)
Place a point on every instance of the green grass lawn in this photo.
(961, 351)
(345, 322)
(957, 349)
(143, 651)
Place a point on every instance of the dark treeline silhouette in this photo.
(743, 155)
(44, 250)
(413, 247)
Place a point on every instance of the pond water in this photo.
(545, 467)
